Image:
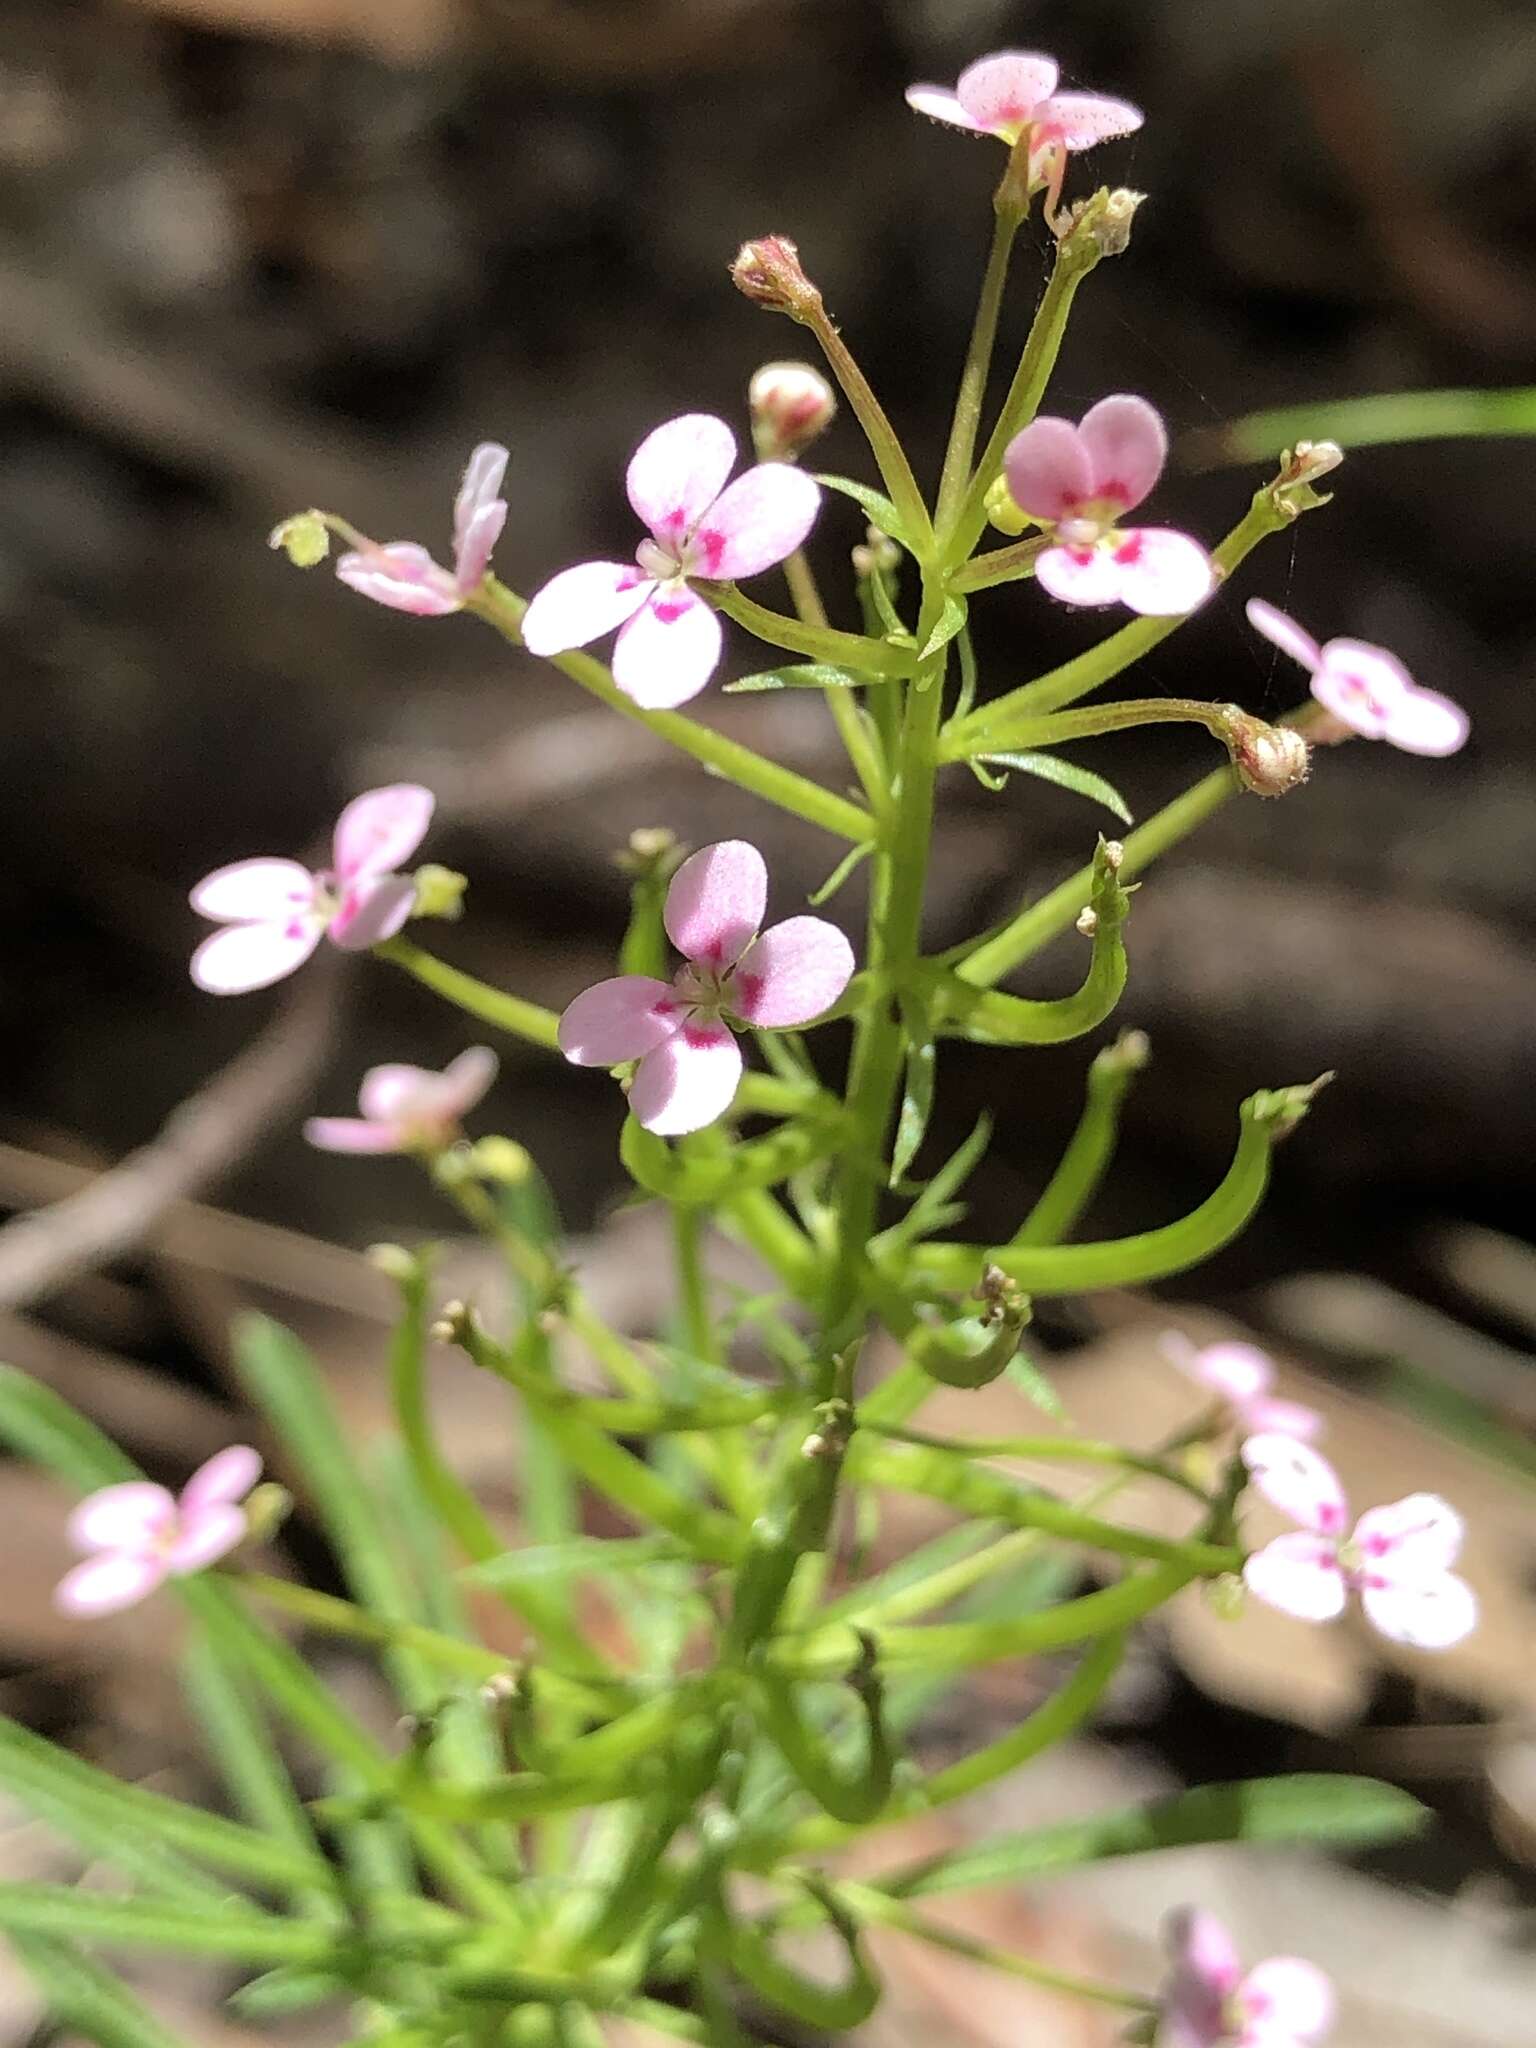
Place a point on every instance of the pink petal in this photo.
(716, 901)
(1080, 576)
(1238, 1372)
(254, 891)
(1429, 1615)
(669, 650)
(1049, 469)
(381, 829)
(1127, 445)
(677, 473)
(403, 576)
(1079, 120)
(1300, 1574)
(212, 1533)
(224, 1479)
(1409, 1539)
(688, 1081)
(467, 1080)
(755, 522)
(1363, 685)
(1282, 630)
(1297, 1480)
(792, 973)
(1003, 90)
(478, 500)
(1427, 723)
(940, 104)
(109, 1583)
(581, 604)
(1200, 1944)
(1270, 1415)
(472, 557)
(390, 1091)
(371, 912)
(1289, 1995)
(132, 1516)
(352, 1134)
(618, 1020)
(247, 956)
(1163, 574)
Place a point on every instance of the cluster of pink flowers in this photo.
(138, 1535)
(1209, 2001)
(733, 973)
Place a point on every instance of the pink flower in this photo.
(1366, 688)
(401, 573)
(690, 1062)
(1398, 1559)
(1013, 90)
(142, 1535)
(408, 1109)
(1242, 1375)
(669, 639)
(275, 912)
(1208, 2002)
(1076, 482)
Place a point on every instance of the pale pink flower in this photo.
(1366, 688)
(1397, 1559)
(401, 574)
(669, 639)
(1076, 481)
(139, 1535)
(1012, 90)
(1210, 2002)
(275, 912)
(1242, 1375)
(690, 1062)
(408, 1109)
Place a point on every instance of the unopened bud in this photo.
(1003, 510)
(654, 852)
(502, 1160)
(1309, 460)
(1128, 1055)
(265, 1510)
(877, 556)
(394, 1262)
(768, 272)
(304, 539)
(1101, 225)
(1088, 921)
(451, 1324)
(439, 892)
(792, 405)
(1269, 759)
(1112, 853)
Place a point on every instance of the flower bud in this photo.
(502, 1160)
(304, 539)
(792, 405)
(1101, 224)
(439, 892)
(654, 853)
(394, 1262)
(1002, 511)
(265, 1510)
(768, 272)
(1309, 460)
(877, 556)
(1269, 759)
(1088, 922)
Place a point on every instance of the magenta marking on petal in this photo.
(1330, 1515)
(669, 610)
(747, 989)
(696, 1034)
(706, 547)
(1128, 548)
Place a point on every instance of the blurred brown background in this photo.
(257, 254)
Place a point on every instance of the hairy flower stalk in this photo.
(550, 1848)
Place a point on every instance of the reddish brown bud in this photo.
(768, 271)
(1270, 759)
(792, 405)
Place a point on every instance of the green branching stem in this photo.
(1007, 220)
(1082, 1167)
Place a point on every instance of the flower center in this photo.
(703, 990)
(661, 562)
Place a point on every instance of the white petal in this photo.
(716, 901)
(1300, 1574)
(1409, 1539)
(1430, 1615)
(940, 104)
(109, 1583)
(211, 1533)
(1163, 574)
(677, 473)
(132, 1516)
(1282, 631)
(380, 830)
(248, 956)
(794, 972)
(222, 1480)
(254, 892)
(754, 522)
(1297, 1480)
(669, 649)
(617, 1020)
(687, 1082)
(581, 604)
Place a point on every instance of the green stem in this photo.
(1082, 1167)
(1068, 1450)
(853, 728)
(1001, 565)
(492, 1006)
(1054, 729)
(978, 361)
(503, 609)
(884, 445)
(822, 643)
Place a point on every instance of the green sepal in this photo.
(951, 620)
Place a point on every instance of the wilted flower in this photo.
(275, 912)
(1076, 481)
(402, 575)
(1209, 2002)
(669, 639)
(140, 1535)
(690, 1062)
(408, 1109)
(1367, 688)
(1398, 1558)
(1242, 1376)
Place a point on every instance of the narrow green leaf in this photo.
(808, 675)
(580, 1556)
(951, 621)
(1347, 1812)
(874, 504)
(1034, 1384)
(1380, 421)
(833, 883)
(917, 1088)
(86, 1999)
(935, 1205)
(1068, 775)
(218, 1927)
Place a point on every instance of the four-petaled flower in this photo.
(1242, 1376)
(690, 1062)
(669, 639)
(1366, 688)
(401, 574)
(1397, 1559)
(140, 1535)
(1076, 481)
(408, 1109)
(275, 912)
(1012, 90)
(1209, 2002)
